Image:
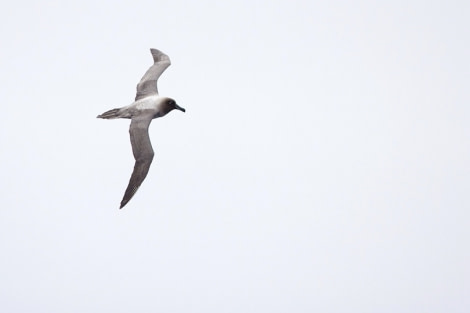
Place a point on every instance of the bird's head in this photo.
(168, 105)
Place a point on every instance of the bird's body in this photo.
(148, 105)
(153, 105)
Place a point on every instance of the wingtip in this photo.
(124, 201)
(159, 55)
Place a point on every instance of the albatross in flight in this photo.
(147, 106)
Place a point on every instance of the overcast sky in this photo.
(322, 164)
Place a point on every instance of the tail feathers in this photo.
(114, 113)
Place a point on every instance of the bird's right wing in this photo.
(148, 84)
(143, 154)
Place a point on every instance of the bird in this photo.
(148, 105)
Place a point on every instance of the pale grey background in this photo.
(322, 164)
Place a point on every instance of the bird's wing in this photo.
(148, 84)
(143, 154)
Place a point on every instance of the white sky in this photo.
(323, 163)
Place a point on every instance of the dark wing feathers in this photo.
(143, 154)
(148, 84)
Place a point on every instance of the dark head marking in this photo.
(170, 104)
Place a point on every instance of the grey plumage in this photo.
(148, 84)
(147, 106)
(143, 154)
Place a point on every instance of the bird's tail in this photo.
(114, 113)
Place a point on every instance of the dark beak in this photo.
(179, 108)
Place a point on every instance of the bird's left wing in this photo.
(143, 154)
